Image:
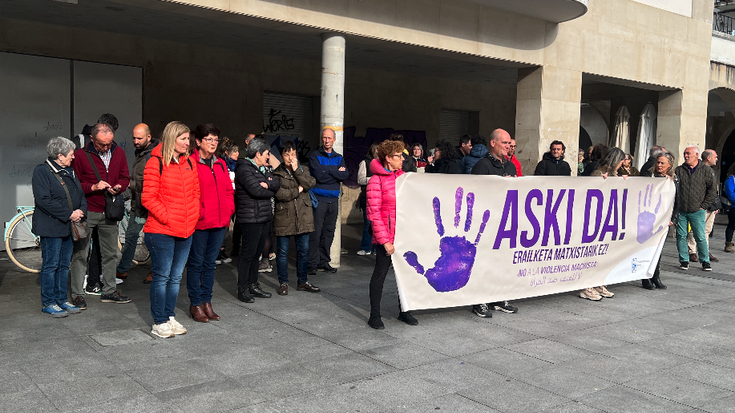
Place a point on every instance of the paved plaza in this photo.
(641, 351)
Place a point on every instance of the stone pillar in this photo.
(682, 121)
(547, 109)
(333, 110)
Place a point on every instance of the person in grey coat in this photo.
(54, 186)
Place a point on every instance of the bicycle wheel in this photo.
(24, 247)
(141, 256)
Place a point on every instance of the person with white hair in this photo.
(697, 191)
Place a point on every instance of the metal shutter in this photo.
(287, 116)
(453, 124)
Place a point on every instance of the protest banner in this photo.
(468, 239)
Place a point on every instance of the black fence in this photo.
(723, 24)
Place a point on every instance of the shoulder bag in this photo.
(79, 229)
(114, 204)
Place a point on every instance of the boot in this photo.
(712, 258)
(207, 307)
(258, 292)
(407, 318)
(656, 280)
(729, 247)
(243, 294)
(198, 314)
(375, 322)
(149, 278)
(647, 284)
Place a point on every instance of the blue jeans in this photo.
(168, 258)
(696, 220)
(367, 239)
(56, 254)
(131, 242)
(302, 257)
(205, 245)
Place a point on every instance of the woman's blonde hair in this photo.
(173, 130)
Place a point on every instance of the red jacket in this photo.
(517, 163)
(381, 202)
(217, 195)
(171, 196)
(116, 173)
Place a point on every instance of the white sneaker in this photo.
(162, 330)
(590, 294)
(118, 281)
(361, 252)
(176, 327)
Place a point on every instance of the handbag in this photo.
(79, 229)
(114, 204)
(726, 203)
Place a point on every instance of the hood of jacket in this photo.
(478, 151)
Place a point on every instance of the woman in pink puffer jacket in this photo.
(381, 211)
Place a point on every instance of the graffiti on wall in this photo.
(356, 147)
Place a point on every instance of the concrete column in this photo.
(547, 109)
(682, 121)
(333, 111)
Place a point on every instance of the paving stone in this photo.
(511, 396)
(679, 389)
(626, 400)
(120, 337)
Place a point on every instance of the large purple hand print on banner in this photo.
(647, 219)
(453, 268)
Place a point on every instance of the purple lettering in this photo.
(550, 219)
(526, 241)
(612, 211)
(510, 209)
(588, 237)
(570, 207)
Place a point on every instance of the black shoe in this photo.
(244, 296)
(647, 284)
(684, 265)
(482, 310)
(223, 257)
(79, 302)
(95, 289)
(115, 297)
(311, 271)
(327, 268)
(504, 307)
(375, 322)
(657, 282)
(256, 291)
(706, 266)
(407, 318)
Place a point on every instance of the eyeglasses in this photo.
(211, 140)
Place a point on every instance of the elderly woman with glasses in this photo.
(217, 203)
(255, 188)
(59, 201)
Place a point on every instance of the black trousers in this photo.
(730, 224)
(320, 241)
(382, 264)
(253, 239)
(94, 265)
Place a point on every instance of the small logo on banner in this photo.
(634, 265)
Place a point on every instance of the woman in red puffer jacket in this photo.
(381, 211)
(217, 205)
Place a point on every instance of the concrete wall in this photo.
(723, 49)
(197, 84)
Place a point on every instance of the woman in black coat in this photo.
(254, 190)
(52, 222)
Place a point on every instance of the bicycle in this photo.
(141, 256)
(21, 244)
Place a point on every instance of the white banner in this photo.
(469, 239)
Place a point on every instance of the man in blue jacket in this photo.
(328, 168)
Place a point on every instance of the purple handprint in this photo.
(647, 219)
(453, 268)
